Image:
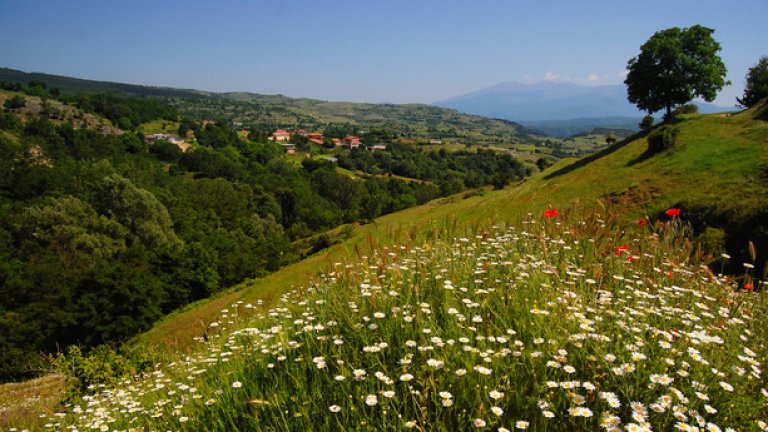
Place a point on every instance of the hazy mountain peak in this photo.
(559, 101)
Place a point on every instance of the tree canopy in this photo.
(674, 66)
(756, 88)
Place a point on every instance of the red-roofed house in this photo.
(302, 132)
(280, 135)
(316, 141)
(351, 141)
(336, 141)
(315, 135)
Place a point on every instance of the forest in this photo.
(102, 234)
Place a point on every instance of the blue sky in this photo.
(373, 51)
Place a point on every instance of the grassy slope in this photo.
(717, 155)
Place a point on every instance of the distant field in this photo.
(160, 127)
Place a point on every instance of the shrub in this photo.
(686, 109)
(646, 122)
(9, 121)
(662, 139)
(102, 365)
(15, 102)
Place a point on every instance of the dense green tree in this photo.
(216, 135)
(138, 210)
(166, 151)
(756, 88)
(71, 228)
(674, 66)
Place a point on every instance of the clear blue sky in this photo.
(362, 50)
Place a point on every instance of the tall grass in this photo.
(573, 322)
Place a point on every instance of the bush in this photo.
(15, 102)
(646, 122)
(102, 365)
(662, 139)
(166, 151)
(686, 109)
(9, 121)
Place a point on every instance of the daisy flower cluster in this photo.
(538, 326)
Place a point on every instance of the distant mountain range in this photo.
(566, 105)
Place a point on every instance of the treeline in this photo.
(101, 235)
(452, 171)
(125, 113)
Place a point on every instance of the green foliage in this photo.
(166, 151)
(646, 122)
(124, 112)
(14, 102)
(662, 139)
(216, 135)
(756, 88)
(712, 241)
(72, 228)
(85, 373)
(543, 163)
(138, 210)
(686, 109)
(100, 235)
(460, 170)
(674, 66)
(9, 121)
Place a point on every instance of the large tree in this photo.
(674, 66)
(756, 88)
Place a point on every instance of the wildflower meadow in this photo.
(565, 321)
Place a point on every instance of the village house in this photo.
(290, 149)
(336, 141)
(173, 139)
(315, 138)
(375, 147)
(153, 138)
(280, 135)
(302, 132)
(351, 141)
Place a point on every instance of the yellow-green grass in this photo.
(160, 127)
(23, 403)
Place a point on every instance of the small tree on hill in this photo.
(757, 84)
(674, 66)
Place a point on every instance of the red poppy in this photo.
(669, 274)
(673, 212)
(618, 250)
(631, 258)
(641, 222)
(749, 286)
(550, 213)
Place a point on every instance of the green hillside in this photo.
(486, 312)
(716, 175)
(268, 112)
